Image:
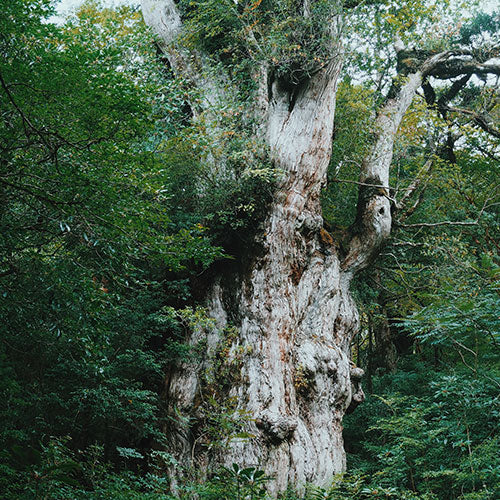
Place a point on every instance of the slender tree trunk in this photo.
(369, 362)
(386, 354)
(386, 357)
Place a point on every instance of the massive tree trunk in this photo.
(290, 304)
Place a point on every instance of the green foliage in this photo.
(94, 257)
(223, 182)
(274, 32)
(430, 428)
(58, 473)
(373, 26)
(112, 203)
(353, 132)
(431, 433)
(235, 483)
(483, 26)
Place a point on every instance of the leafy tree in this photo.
(89, 250)
(126, 175)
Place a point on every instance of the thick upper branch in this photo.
(373, 221)
(163, 17)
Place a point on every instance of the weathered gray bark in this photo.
(292, 306)
(295, 315)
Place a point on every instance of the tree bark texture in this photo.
(292, 307)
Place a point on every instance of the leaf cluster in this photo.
(284, 35)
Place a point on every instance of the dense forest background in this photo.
(107, 243)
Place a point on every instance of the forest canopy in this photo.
(124, 192)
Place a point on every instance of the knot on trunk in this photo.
(368, 195)
(357, 373)
(358, 396)
(277, 427)
(307, 222)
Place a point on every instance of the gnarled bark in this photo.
(292, 306)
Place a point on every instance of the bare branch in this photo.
(441, 223)
(452, 223)
(361, 183)
(414, 185)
